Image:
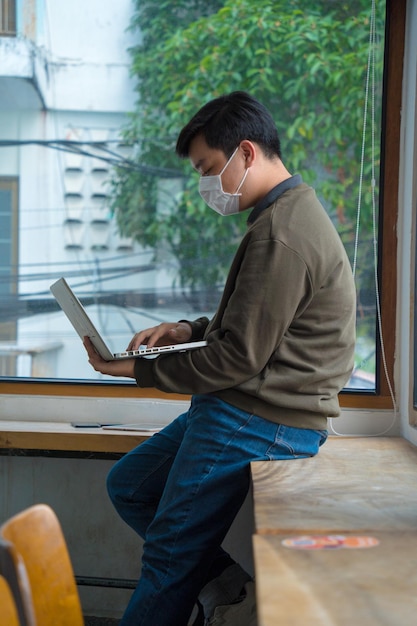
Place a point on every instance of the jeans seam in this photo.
(148, 475)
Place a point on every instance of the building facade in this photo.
(65, 90)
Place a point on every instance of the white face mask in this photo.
(211, 190)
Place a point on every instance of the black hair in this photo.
(226, 121)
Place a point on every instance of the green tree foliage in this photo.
(306, 61)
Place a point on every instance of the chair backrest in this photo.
(37, 536)
(8, 609)
(13, 570)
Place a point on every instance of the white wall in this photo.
(91, 31)
(86, 45)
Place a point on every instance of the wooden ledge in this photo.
(336, 535)
(354, 483)
(372, 586)
(64, 437)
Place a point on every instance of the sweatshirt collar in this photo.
(274, 194)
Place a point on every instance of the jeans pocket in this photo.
(295, 443)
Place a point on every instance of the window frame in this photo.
(387, 262)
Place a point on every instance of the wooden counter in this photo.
(354, 487)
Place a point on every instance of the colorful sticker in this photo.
(329, 542)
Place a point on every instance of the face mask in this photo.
(211, 190)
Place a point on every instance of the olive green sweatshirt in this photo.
(281, 343)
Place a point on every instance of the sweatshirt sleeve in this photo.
(265, 289)
(198, 328)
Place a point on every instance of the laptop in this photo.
(81, 322)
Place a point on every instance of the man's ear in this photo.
(249, 150)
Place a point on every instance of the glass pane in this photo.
(8, 17)
(6, 260)
(5, 255)
(5, 201)
(107, 204)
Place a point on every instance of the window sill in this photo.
(61, 436)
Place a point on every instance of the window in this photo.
(8, 272)
(66, 208)
(7, 17)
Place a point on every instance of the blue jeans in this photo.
(181, 490)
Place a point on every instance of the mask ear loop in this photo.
(243, 180)
(231, 157)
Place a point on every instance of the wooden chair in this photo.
(8, 609)
(13, 570)
(37, 538)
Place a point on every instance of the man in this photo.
(280, 348)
